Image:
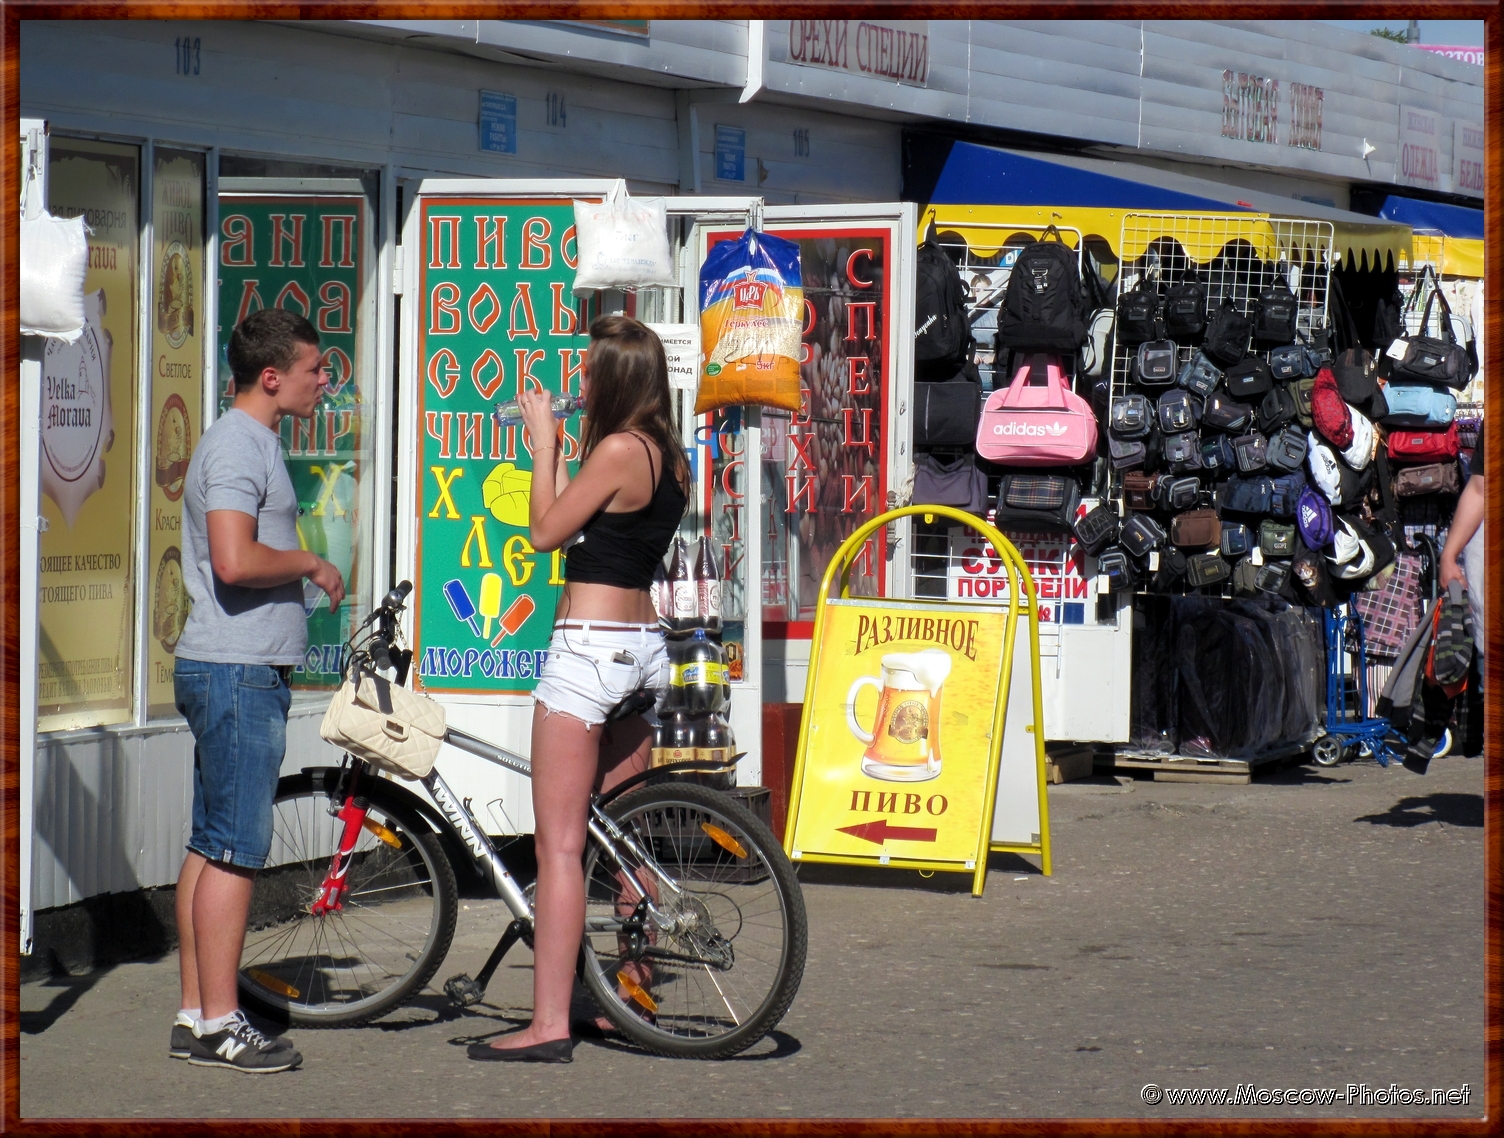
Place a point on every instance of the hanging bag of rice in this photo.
(751, 316)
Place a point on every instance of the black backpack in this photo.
(942, 334)
(1185, 311)
(1227, 333)
(1274, 316)
(1043, 307)
(1137, 314)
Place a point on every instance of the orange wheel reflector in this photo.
(272, 984)
(636, 991)
(724, 840)
(383, 833)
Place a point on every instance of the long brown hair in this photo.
(629, 390)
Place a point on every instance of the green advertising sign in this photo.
(305, 254)
(498, 312)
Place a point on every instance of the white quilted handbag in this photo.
(388, 726)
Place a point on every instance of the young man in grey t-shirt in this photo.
(244, 571)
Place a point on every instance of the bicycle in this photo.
(695, 929)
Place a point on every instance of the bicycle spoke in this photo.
(379, 946)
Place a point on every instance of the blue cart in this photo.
(1349, 731)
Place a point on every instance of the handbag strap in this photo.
(1037, 361)
(1388, 514)
(1340, 315)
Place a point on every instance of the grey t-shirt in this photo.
(238, 466)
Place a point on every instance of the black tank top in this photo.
(624, 549)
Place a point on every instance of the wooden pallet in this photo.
(1187, 768)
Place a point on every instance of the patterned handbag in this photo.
(1393, 611)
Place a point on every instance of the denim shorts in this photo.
(238, 716)
(593, 665)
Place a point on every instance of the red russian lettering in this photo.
(851, 276)
(443, 372)
(239, 245)
(851, 489)
(490, 235)
(869, 309)
(282, 237)
(444, 309)
(524, 301)
(858, 370)
(345, 224)
(535, 235)
(441, 229)
(437, 425)
(472, 426)
(865, 442)
(803, 446)
(569, 368)
(492, 383)
(248, 297)
(526, 380)
(566, 321)
(334, 313)
(484, 295)
(798, 490)
(293, 292)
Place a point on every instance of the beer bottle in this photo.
(662, 594)
(681, 738)
(714, 746)
(659, 754)
(708, 588)
(683, 616)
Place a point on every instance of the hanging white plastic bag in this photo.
(54, 258)
(622, 242)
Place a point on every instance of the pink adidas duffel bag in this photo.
(1037, 424)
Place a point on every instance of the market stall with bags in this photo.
(1248, 459)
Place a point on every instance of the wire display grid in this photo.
(942, 567)
(985, 279)
(1244, 256)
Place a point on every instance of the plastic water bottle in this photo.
(511, 411)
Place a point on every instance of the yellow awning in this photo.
(1452, 256)
(986, 228)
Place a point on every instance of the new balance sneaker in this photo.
(182, 1036)
(240, 1047)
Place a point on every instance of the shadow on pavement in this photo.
(880, 877)
(73, 988)
(1300, 774)
(1453, 809)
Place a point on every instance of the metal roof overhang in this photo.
(989, 187)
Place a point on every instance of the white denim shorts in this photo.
(593, 665)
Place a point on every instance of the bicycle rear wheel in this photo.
(725, 969)
(361, 961)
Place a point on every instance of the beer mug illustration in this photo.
(904, 743)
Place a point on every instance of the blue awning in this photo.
(989, 175)
(1433, 217)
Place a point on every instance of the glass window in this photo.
(177, 387)
(311, 253)
(86, 645)
(823, 468)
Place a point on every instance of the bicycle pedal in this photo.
(463, 990)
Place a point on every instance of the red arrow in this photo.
(879, 832)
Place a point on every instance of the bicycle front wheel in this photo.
(371, 955)
(718, 966)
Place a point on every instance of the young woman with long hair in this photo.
(627, 501)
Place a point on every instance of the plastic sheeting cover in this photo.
(1223, 679)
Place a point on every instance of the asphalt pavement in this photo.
(1315, 930)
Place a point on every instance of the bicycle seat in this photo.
(636, 703)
